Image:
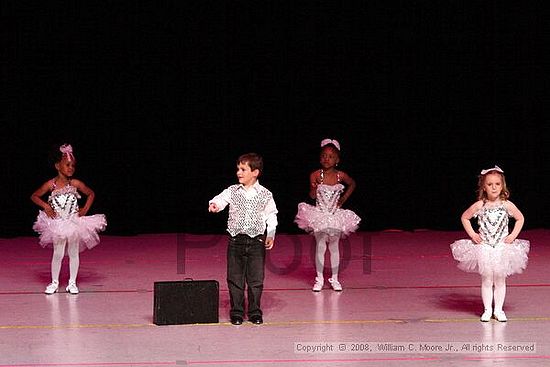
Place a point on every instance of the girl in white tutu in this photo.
(330, 188)
(492, 251)
(61, 223)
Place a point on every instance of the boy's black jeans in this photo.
(245, 264)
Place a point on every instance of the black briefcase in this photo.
(186, 302)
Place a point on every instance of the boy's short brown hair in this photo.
(254, 161)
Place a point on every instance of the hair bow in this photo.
(495, 168)
(67, 149)
(330, 141)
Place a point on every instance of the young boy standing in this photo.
(252, 213)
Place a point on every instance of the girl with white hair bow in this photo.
(326, 220)
(492, 251)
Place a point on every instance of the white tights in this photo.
(57, 258)
(322, 240)
(487, 293)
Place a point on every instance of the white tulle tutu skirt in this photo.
(75, 228)
(311, 219)
(503, 259)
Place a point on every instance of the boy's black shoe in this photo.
(256, 319)
(236, 320)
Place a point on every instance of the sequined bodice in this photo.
(328, 196)
(493, 224)
(64, 201)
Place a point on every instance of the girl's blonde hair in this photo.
(482, 195)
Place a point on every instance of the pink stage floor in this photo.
(403, 300)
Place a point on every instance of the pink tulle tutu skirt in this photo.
(82, 229)
(503, 259)
(311, 219)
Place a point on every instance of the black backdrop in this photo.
(158, 99)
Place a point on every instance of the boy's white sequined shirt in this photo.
(251, 210)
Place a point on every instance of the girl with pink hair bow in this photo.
(62, 223)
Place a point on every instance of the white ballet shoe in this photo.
(319, 282)
(52, 287)
(500, 316)
(72, 288)
(486, 315)
(335, 284)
